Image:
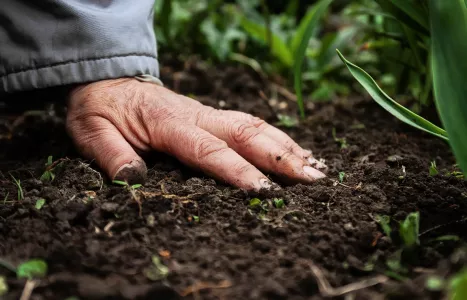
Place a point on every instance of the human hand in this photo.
(111, 120)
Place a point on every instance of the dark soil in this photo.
(97, 246)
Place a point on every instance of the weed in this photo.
(433, 171)
(39, 203)
(20, 189)
(341, 141)
(409, 230)
(341, 176)
(255, 202)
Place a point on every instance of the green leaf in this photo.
(409, 230)
(119, 182)
(444, 238)
(313, 16)
(39, 203)
(279, 203)
(254, 202)
(397, 110)
(449, 69)
(279, 49)
(34, 268)
(196, 219)
(341, 176)
(384, 222)
(3, 286)
(458, 284)
(136, 186)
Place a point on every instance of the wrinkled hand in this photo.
(111, 120)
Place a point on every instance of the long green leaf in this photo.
(449, 69)
(417, 13)
(397, 110)
(315, 14)
(279, 49)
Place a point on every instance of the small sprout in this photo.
(136, 186)
(279, 203)
(157, 271)
(341, 176)
(48, 175)
(384, 222)
(433, 170)
(3, 286)
(458, 286)
(196, 219)
(287, 121)
(435, 283)
(341, 141)
(34, 268)
(39, 203)
(20, 189)
(409, 230)
(255, 202)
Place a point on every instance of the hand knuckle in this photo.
(241, 168)
(206, 147)
(242, 133)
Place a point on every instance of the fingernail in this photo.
(313, 173)
(317, 164)
(133, 172)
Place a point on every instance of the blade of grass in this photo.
(449, 69)
(313, 16)
(397, 110)
(279, 49)
(414, 12)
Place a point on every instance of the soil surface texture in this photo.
(184, 235)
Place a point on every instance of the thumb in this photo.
(104, 143)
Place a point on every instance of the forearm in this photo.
(51, 43)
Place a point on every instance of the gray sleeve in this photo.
(48, 43)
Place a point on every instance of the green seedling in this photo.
(20, 189)
(341, 141)
(39, 203)
(157, 271)
(132, 190)
(433, 169)
(278, 202)
(34, 268)
(409, 230)
(341, 176)
(258, 208)
(48, 175)
(125, 184)
(195, 219)
(6, 198)
(3, 286)
(384, 222)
